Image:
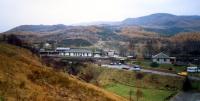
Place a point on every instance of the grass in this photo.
(24, 78)
(154, 87)
(196, 85)
(195, 74)
(165, 67)
(148, 94)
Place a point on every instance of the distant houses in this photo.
(51, 49)
(162, 58)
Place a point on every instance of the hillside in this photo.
(24, 78)
(92, 34)
(165, 23)
(162, 23)
(183, 37)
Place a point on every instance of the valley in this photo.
(137, 59)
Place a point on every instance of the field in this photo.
(148, 94)
(164, 67)
(153, 87)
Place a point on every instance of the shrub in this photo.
(1, 98)
(154, 64)
(139, 76)
(22, 84)
(170, 69)
(89, 73)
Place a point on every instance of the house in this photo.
(111, 53)
(163, 59)
(76, 52)
(97, 54)
(62, 49)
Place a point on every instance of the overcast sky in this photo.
(20, 12)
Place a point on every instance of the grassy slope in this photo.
(148, 94)
(154, 87)
(23, 77)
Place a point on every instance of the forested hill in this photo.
(166, 23)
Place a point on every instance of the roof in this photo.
(62, 48)
(161, 56)
(97, 52)
(79, 50)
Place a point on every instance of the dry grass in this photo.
(24, 78)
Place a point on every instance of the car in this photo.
(119, 63)
(125, 68)
(111, 63)
(136, 68)
(192, 69)
(183, 73)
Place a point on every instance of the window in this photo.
(165, 60)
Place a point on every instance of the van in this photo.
(192, 69)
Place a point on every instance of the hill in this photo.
(24, 78)
(165, 23)
(92, 34)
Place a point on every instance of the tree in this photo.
(154, 64)
(187, 84)
(14, 40)
(139, 76)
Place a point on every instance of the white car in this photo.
(192, 69)
(136, 68)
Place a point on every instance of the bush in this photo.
(154, 64)
(89, 73)
(1, 98)
(139, 76)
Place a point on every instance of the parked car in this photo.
(192, 69)
(136, 68)
(126, 68)
(119, 63)
(111, 63)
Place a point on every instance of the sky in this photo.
(48, 12)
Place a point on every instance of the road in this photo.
(149, 71)
(186, 96)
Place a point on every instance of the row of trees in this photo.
(185, 47)
(15, 40)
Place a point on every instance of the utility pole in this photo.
(130, 95)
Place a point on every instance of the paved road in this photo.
(186, 96)
(149, 71)
(142, 70)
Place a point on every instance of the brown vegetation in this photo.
(23, 77)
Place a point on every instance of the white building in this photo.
(97, 54)
(76, 53)
(62, 49)
(161, 58)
